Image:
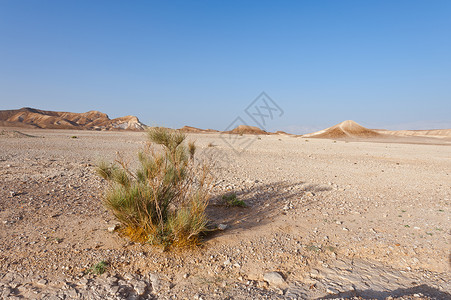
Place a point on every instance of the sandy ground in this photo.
(333, 218)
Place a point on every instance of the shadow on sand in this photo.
(424, 290)
(264, 202)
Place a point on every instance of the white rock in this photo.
(113, 228)
(331, 291)
(140, 287)
(155, 282)
(274, 278)
(42, 282)
(223, 226)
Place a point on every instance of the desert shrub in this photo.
(163, 201)
(99, 268)
(232, 200)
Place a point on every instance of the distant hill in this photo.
(436, 133)
(351, 129)
(283, 133)
(91, 120)
(346, 129)
(245, 129)
(189, 129)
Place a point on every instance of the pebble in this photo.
(140, 287)
(155, 280)
(331, 291)
(6, 292)
(198, 297)
(223, 226)
(113, 228)
(274, 279)
(113, 289)
(83, 282)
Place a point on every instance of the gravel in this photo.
(323, 214)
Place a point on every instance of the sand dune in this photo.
(91, 120)
(346, 129)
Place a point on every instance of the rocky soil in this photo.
(324, 219)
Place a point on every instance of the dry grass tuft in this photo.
(163, 202)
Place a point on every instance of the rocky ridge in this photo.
(91, 120)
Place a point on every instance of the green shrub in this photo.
(163, 202)
(232, 200)
(99, 268)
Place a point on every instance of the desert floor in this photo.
(334, 218)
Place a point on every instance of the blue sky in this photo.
(384, 64)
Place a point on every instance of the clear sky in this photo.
(384, 64)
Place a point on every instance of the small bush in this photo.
(232, 200)
(74, 137)
(163, 202)
(99, 268)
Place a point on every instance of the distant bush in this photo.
(163, 202)
(232, 200)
